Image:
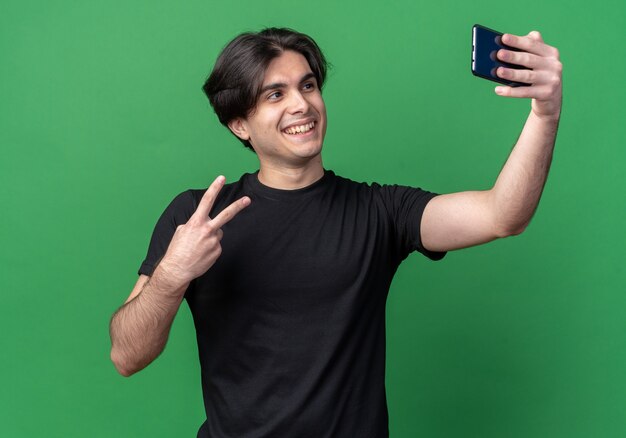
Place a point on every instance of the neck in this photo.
(291, 178)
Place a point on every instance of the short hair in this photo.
(234, 85)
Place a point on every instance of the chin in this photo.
(307, 151)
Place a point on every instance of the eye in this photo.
(309, 86)
(275, 95)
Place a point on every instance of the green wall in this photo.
(102, 122)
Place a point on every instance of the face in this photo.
(288, 125)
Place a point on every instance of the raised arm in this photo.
(140, 328)
(459, 220)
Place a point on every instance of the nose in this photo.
(298, 103)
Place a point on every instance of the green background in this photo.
(102, 122)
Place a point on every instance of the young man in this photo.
(287, 270)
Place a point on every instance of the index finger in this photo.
(531, 45)
(230, 212)
(206, 203)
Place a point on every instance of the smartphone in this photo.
(485, 45)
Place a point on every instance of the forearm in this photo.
(140, 328)
(517, 191)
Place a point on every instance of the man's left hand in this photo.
(544, 73)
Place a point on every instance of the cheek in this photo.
(271, 122)
(322, 111)
(320, 106)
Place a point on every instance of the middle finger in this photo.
(230, 212)
(524, 59)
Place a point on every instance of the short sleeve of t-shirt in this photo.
(177, 213)
(406, 206)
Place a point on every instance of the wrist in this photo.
(169, 279)
(548, 113)
(547, 121)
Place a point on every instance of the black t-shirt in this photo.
(290, 320)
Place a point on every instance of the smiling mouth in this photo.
(300, 129)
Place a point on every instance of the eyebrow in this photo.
(277, 85)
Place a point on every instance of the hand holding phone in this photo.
(534, 69)
(485, 45)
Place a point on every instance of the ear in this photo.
(239, 128)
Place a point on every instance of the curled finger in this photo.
(524, 59)
(533, 44)
(521, 75)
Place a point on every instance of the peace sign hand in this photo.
(544, 73)
(195, 246)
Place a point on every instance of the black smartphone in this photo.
(485, 45)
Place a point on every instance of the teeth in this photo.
(300, 129)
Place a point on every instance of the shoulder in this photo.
(349, 184)
(373, 188)
(179, 209)
(386, 195)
